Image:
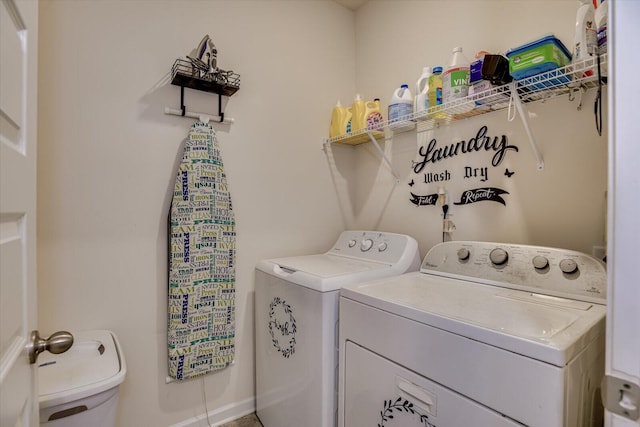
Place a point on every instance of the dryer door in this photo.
(380, 392)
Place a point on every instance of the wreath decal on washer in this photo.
(282, 327)
(402, 407)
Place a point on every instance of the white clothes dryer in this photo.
(484, 335)
(296, 323)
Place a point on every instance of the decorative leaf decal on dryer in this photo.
(404, 407)
(282, 327)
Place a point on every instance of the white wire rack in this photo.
(557, 82)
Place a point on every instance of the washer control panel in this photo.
(375, 245)
(549, 271)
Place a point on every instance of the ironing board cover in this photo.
(201, 330)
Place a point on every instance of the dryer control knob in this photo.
(568, 266)
(366, 244)
(463, 254)
(382, 247)
(499, 256)
(540, 262)
(352, 243)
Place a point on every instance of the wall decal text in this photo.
(481, 194)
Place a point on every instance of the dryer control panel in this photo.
(543, 270)
(389, 248)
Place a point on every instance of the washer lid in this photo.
(93, 364)
(326, 272)
(550, 329)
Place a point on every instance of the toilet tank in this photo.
(79, 388)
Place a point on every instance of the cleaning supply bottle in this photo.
(455, 79)
(422, 91)
(435, 89)
(585, 41)
(373, 116)
(358, 120)
(338, 121)
(401, 103)
(601, 26)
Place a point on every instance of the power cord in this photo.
(204, 400)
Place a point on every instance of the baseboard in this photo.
(223, 415)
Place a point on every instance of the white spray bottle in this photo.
(585, 41)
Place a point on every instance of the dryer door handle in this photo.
(417, 395)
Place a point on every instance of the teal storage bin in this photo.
(539, 56)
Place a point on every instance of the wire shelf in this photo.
(185, 74)
(560, 81)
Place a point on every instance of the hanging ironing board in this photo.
(201, 316)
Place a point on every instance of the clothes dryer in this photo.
(296, 323)
(484, 335)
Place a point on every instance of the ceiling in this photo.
(351, 4)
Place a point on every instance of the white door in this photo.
(623, 299)
(18, 98)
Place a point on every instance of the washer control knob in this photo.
(568, 266)
(382, 247)
(463, 254)
(366, 244)
(540, 262)
(499, 256)
(352, 243)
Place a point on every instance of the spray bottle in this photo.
(585, 41)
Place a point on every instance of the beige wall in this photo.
(108, 154)
(561, 206)
(108, 157)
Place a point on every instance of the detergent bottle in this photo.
(373, 116)
(422, 91)
(585, 42)
(401, 103)
(358, 119)
(338, 121)
(601, 25)
(455, 79)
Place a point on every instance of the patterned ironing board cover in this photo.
(201, 318)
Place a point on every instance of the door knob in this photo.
(57, 343)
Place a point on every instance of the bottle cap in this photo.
(437, 69)
(404, 86)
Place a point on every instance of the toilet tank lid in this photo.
(93, 364)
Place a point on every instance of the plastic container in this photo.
(475, 69)
(455, 79)
(601, 17)
(358, 119)
(539, 56)
(585, 41)
(435, 92)
(79, 388)
(373, 116)
(338, 121)
(495, 68)
(401, 104)
(422, 91)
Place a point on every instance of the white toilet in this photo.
(79, 388)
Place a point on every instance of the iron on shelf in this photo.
(200, 71)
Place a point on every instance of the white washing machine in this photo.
(296, 322)
(484, 335)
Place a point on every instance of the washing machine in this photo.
(484, 335)
(296, 323)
